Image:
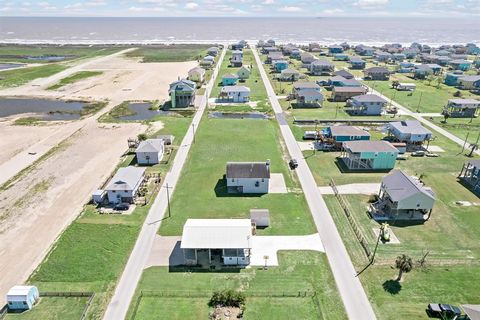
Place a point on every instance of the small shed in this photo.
(260, 217)
(22, 297)
(98, 196)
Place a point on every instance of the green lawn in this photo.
(20, 53)
(254, 82)
(460, 127)
(298, 272)
(18, 77)
(170, 53)
(74, 78)
(201, 191)
(53, 308)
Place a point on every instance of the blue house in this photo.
(410, 53)
(399, 56)
(364, 50)
(341, 134)
(335, 49)
(476, 63)
(357, 63)
(280, 65)
(229, 79)
(22, 297)
(463, 65)
(339, 81)
(340, 57)
(451, 79)
(406, 64)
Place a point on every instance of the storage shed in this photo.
(260, 217)
(22, 297)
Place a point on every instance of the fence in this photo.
(353, 223)
(90, 296)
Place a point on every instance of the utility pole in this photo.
(168, 200)
(474, 146)
(193, 130)
(419, 101)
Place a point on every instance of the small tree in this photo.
(404, 264)
(446, 115)
(395, 84)
(142, 137)
(457, 94)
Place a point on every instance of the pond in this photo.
(236, 115)
(142, 112)
(45, 109)
(46, 58)
(5, 66)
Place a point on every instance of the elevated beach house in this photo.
(306, 59)
(344, 73)
(182, 93)
(366, 105)
(229, 79)
(124, 185)
(196, 74)
(377, 74)
(462, 108)
(340, 134)
(335, 49)
(212, 51)
(469, 82)
(321, 67)
(369, 155)
(304, 85)
(216, 241)
(150, 151)
(402, 197)
(409, 131)
(339, 81)
(236, 60)
(280, 65)
(460, 64)
(243, 73)
(248, 177)
(470, 175)
(207, 61)
(309, 97)
(274, 56)
(357, 63)
(289, 75)
(342, 94)
(235, 94)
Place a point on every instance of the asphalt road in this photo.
(118, 307)
(351, 291)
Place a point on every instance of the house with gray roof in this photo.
(366, 105)
(124, 185)
(212, 51)
(362, 155)
(289, 74)
(342, 94)
(376, 73)
(470, 175)
(196, 74)
(182, 93)
(402, 197)
(236, 60)
(150, 151)
(248, 177)
(344, 73)
(307, 59)
(304, 85)
(357, 63)
(236, 94)
(462, 108)
(309, 97)
(409, 131)
(321, 67)
(468, 82)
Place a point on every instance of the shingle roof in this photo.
(235, 89)
(248, 170)
(347, 131)
(150, 145)
(464, 101)
(369, 98)
(400, 186)
(475, 163)
(304, 85)
(126, 178)
(344, 73)
(350, 89)
(369, 146)
(409, 126)
(377, 70)
(230, 76)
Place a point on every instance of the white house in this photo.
(196, 74)
(124, 185)
(409, 131)
(406, 87)
(227, 241)
(22, 297)
(366, 105)
(150, 151)
(248, 177)
(309, 97)
(237, 94)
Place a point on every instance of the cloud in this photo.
(191, 5)
(331, 12)
(290, 9)
(268, 2)
(371, 4)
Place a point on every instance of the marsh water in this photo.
(44, 109)
(142, 112)
(237, 115)
(5, 66)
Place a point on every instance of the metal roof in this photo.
(235, 89)
(230, 76)
(347, 131)
(248, 170)
(401, 186)
(369, 146)
(464, 101)
(344, 73)
(150, 145)
(20, 290)
(409, 126)
(216, 234)
(349, 89)
(377, 70)
(126, 178)
(475, 163)
(369, 98)
(305, 85)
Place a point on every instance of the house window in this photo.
(263, 180)
(257, 184)
(233, 180)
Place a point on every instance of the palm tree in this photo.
(404, 264)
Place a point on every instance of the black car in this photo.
(293, 164)
(438, 310)
(122, 207)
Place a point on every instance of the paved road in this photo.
(351, 291)
(118, 307)
(419, 117)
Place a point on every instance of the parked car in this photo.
(402, 157)
(121, 207)
(432, 155)
(293, 164)
(450, 310)
(418, 154)
(443, 310)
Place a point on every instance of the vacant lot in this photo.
(53, 308)
(170, 53)
(18, 77)
(74, 78)
(304, 272)
(202, 193)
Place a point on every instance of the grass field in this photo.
(201, 191)
(20, 53)
(74, 78)
(18, 77)
(170, 53)
(53, 308)
(298, 272)
(460, 127)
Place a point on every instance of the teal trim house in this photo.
(451, 79)
(340, 134)
(335, 49)
(229, 79)
(280, 65)
(340, 57)
(463, 65)
(369, 155)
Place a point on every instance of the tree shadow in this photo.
(392, 286)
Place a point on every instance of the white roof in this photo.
(216, 234)
(126, 178)
(235, 89)
(20, 291)
(150, 145)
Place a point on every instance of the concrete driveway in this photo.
(353, 188)
(277, 183)
(165, 252)
(269, 246)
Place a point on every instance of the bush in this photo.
(228, 298)
(373, 198)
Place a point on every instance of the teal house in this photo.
(335, 49)
(476, 63)
(229, 79)
(280, 65)
(340, 134)
(451, 79)
(463, 65)
(340, 57)
(369, 155)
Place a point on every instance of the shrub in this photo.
(228, 298)
(373, 198)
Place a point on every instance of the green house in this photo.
(369, 155)
(182, 93)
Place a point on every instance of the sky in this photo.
(243, 8)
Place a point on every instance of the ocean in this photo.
(371, 31)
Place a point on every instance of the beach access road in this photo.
(118, 307)
(351, 291)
